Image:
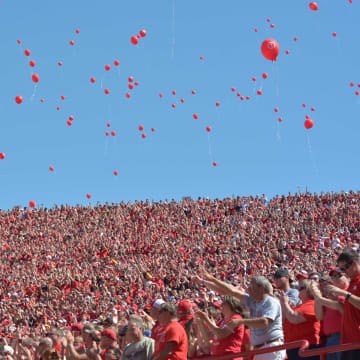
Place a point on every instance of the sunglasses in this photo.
(337, 276)
(345, 267)
(302, 288)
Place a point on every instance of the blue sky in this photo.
(254, 153)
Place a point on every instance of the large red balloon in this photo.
(35, 78)
(2, 156)
(134, 40)
(313, 6)
(32, 203)
(308, 123)
(32, 63)
(19, 99)
(270, 49)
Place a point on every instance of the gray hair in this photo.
(138, 321)
(264, 282)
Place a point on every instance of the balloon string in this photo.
(276, 83)
(173, 30)
(311, 153)
(34, 92)
(210, 153)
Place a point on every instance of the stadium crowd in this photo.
(178, 280)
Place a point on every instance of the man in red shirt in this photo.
(349, 263)
(154, 312)
(184, 313)
(172, 343)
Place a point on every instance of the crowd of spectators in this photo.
(112, 265)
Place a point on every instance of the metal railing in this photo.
(303, 346)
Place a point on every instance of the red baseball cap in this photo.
(109, 333)
(184, 306)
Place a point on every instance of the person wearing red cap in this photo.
(108, 342)
(184, 313)
(172, 342)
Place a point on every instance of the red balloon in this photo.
(62, 97)
(193, 92)
(113, 133)
(208, 128)
(2, 156)
(58, 108)
(42, 100)
(268, 20)
(307, 116)
(107, 133)
(88, 196)
(69, 123)
(254, 78)
(32, 203)
(264, 75)
(280, 119)
(161, 95)
(35, 78)
(248, 98)
(77, 31)
(92, 80)
(106, 91)
(214, 163)
(51, 168)
(18, 41)
(134, 40)
(241, 98)
(270, 49)
(182, 100)
(131, 86)
(173, 105)
(312, 109)
(136, 83)
(141, 128)
(19, 99)
(143, 33)
(27, 52)
(71, 118)
(295, 38)
(303, 105)
(115, 173)
(276, 109)
(60, 63)
(143, 135)
(116, 62)
(130, 79)
(233, 89)
(152, 129)
(287, 52)
(195, 116)
(32, 63)
(108, 125)
(313, 6)
(308, 123)
(259, 92)
(174, 92)
(334, 34)
(356, 93)
(128, 95)
(238, 94)
(217, 104)
(107, 67)
(71, 42)
(256, 30)
(201, 58)
(272, 26)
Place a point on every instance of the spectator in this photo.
(154, 313)
(301, 322)
(330, 308)
(281, 278)
(140, 347)
(227, 334)
(172, 341)
(108, 339)
(349, 263)
(265, 312)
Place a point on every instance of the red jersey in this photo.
(231, 344)
(351, 316)
(308, 330)
(173, 332)
(155, 330)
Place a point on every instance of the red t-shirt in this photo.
(351, 316)
(156, 330)
(308, 330)
(173, 332)
(246, 340)
(232, 344)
